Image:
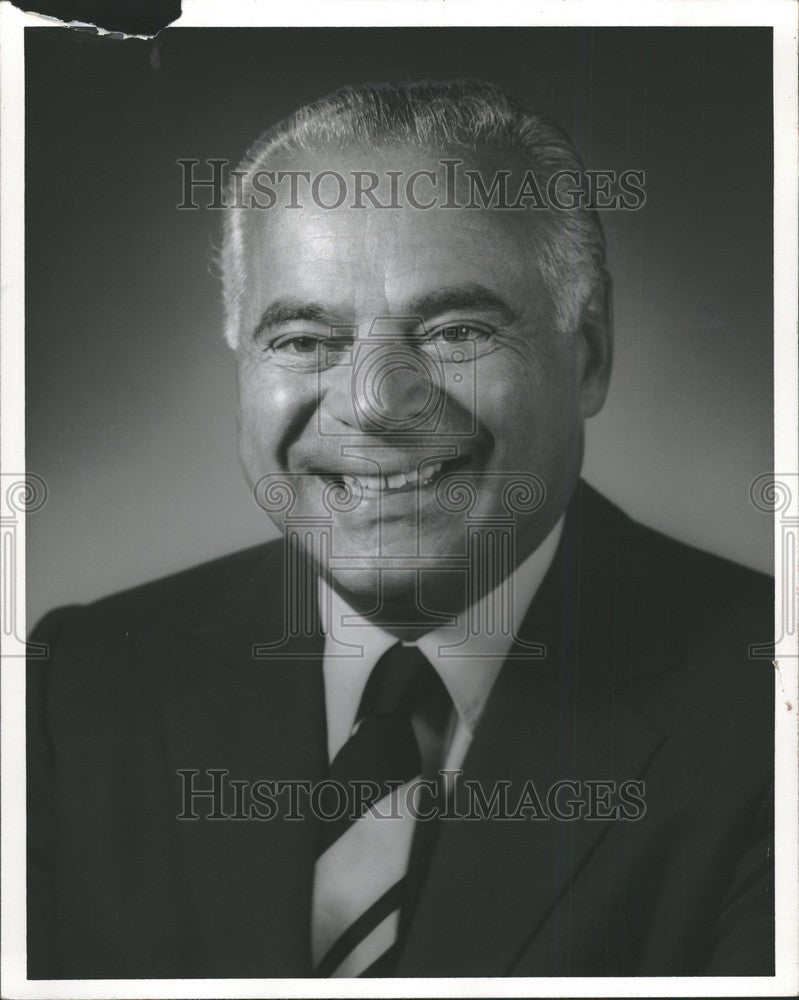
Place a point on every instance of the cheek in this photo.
(508, 395)
(266, 403)
(527, 410)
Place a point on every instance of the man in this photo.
(466, 718)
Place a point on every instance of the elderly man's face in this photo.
(382, 351)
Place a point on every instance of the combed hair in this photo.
(456, 115)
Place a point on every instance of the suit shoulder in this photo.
(712, 615)
(682, 607)
(713, 583)
(178, 599)
(659, 564)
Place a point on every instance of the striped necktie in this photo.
(360, 878)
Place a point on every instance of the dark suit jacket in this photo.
(646, 676)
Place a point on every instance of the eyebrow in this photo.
(470, 295)
(292, 310)
(453, 297)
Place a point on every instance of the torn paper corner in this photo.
(117, 26)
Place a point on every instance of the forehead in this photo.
(363, 261)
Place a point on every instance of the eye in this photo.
(460, 332)
(304, 350)
(296, 345)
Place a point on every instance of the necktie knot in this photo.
(402, 680)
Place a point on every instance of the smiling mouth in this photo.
(426, 474)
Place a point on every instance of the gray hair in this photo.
(454, 115)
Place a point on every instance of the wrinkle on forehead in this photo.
(368, 262)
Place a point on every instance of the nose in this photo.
(396, 388)
(387, 388)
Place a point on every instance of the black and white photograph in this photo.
(400, 502)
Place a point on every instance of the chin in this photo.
(397, 596)
(369, 589)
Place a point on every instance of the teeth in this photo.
(393, 482)
(428, 471)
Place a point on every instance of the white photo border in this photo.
(781, 15)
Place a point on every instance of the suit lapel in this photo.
(491, 882)
(258, 718)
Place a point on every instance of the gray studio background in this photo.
(130, 391)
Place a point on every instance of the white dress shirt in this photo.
(468, 671)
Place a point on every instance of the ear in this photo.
(595, 347)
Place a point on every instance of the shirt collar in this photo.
(467, 655)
